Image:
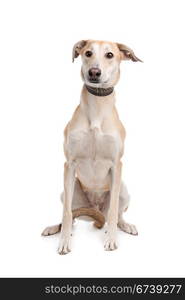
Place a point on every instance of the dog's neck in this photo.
(97, 108)
(101, 92)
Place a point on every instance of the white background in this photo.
(39, 90)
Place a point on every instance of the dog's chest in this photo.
(93, 144)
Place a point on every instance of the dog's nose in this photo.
(94, 73)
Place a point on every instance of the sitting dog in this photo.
(94, 145)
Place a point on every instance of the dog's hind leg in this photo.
(80, 208)
(79, 200)
(52, 230)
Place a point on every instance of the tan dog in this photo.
(94, 144)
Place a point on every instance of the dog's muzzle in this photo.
(94, 75)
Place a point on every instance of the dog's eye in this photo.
(88, 53)
(109, 55)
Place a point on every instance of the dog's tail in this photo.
(83, 211)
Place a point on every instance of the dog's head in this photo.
(101, 61)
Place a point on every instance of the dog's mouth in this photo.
(94, 80)
(97, 81)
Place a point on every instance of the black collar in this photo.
(101, 92)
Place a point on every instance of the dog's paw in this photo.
(128, 228)
(64, 246)
(51, 230)
(110, 244)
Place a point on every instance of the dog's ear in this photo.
(77, 48)
(127, 53)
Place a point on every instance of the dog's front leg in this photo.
(69, 179)
(112, 218)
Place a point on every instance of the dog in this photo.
(94, 145)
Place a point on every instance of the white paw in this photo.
(51, 230)
(129, 228)
(64, 246)
(110, 244)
